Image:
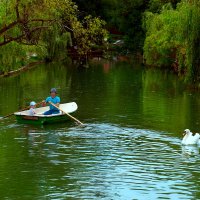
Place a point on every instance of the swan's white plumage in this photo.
(198, 143)
(190, 138)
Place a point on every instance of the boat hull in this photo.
(35, 120)
(39, 118)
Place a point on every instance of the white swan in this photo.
(190, 138)
(198, 143)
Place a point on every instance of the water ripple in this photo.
(106, 161)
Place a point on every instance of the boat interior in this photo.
(67, 107)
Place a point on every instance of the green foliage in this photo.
(160, 39)
(48, 28)
(88, 33)
(173, 37)
(18, 57)
(15, 55)
(156, 6)
(125, 16)
(56, 43)
(168, 31)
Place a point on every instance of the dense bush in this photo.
(173, 38)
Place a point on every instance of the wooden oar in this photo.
(20, 110)
(66, 113)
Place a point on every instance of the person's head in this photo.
(32, 104)
(53, 92)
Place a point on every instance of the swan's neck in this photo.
(187, 135)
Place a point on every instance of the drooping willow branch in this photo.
(19, 38)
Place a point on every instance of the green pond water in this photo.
(130, 148)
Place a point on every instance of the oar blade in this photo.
(69, 107)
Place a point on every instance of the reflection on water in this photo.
(109, 92)
(130, 148)
(190, 150)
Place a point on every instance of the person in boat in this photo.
(55, 100)
(32, 108)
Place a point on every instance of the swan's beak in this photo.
(184, 133)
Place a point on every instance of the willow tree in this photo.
(173, 38)
(22, 25)
(39, 25)
(190, 34)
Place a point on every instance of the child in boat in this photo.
(55, 100)
(32, 108)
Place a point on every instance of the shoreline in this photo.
(21, 69)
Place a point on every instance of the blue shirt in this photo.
(54, 100)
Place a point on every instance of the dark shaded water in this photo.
(130, 148)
